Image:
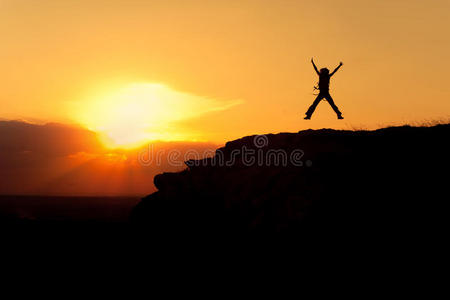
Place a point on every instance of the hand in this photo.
(312, 59)
(341, 63)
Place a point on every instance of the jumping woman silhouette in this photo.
(324, 91)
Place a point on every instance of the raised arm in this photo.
(335, 70)
(314, 65)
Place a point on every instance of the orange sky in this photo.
(395, 52)
(223, 69)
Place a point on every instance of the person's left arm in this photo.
(335, 70)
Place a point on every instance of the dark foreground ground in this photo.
(60, 210)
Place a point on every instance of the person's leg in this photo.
(313, 106)
(335, 108)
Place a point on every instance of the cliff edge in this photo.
(390, 182)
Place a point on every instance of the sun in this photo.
(132, 115)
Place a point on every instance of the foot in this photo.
(340, 117)
(307, 117)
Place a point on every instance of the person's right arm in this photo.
(314, 65)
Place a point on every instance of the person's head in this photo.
(324, 71)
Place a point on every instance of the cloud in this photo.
(50, 139)
(58, 159)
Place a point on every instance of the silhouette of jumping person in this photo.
(324, 91)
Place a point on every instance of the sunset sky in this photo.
(211, 71)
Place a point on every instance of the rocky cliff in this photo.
(390, 182)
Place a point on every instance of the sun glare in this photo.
(137, 113)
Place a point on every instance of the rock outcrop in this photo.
(390, 182)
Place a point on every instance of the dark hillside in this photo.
(391, 183)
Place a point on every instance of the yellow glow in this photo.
(136, 113)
